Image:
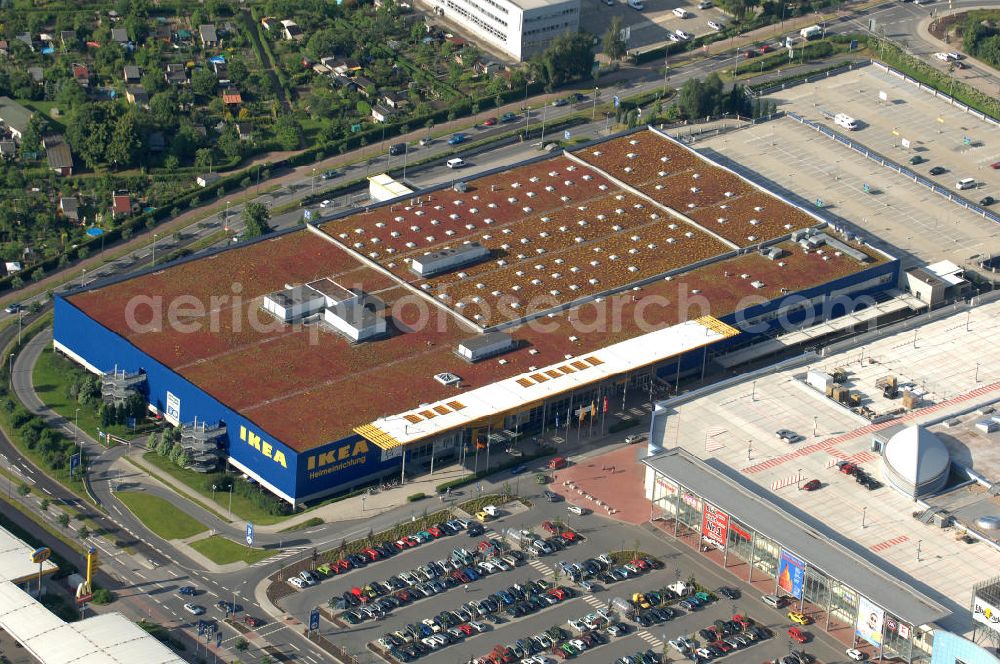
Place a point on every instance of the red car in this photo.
(558, 593)
(550, 528)
(371, 554)
(764, 48)
(466, 629)
(570, 536)
(848, 468)
(721, 645)
(250, 621)
(995, 164)
(489, 122)
(557, 463)
(640, 563)
(811, 485)
(341, 566)
(797, 635)
(435, 531)
(750, 53)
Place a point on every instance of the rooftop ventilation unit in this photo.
(445, 260)
(460, 187)
(774, 253)
(485, 346)
(447, 379)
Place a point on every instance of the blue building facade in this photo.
(342, 464)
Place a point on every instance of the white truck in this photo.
(812, 32)
(846, 121)
(636, 4)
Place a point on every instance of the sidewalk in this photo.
(971, 77)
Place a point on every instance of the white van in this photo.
(846, 121)
(966, 183)
(774, 601)
(680, 12)
(579, 511)
(457, 162)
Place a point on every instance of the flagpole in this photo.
(569, 416)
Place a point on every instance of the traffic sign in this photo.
(218, 639)
(307, 215)
(617, 101)
(74, 463)
(249, 534)
(40, 555)
(314, 620)
(567, 135)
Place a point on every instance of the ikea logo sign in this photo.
(337, 459)
(262, 446)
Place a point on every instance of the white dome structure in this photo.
(915, 462)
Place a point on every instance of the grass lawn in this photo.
(51, 377)
(222, 551)
(243, 508)
(160, 516)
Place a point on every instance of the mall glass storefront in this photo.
(673, 502)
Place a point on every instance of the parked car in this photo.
(190, 591)
(729, 593)
(552, 496)
(787, 436)
(194, 609)
(987, 200)
(296, 582)
(856, 654)
(799, 618)
(938, 170)
(811, 485)
(917, 159)
(796, 635)
(717, 25)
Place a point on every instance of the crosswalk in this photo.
(594, 602)
(285, 553)
(656, 643)
(540, 567)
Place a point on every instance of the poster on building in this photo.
(738, 528)
(691, 500)
(985, 613)
(870, 619)
(666, 489)
(714, 525)
(791, 574)
(904, 631)
(173, 412)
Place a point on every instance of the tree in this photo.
(288, 132)
(83, 532)
(570, 56)
(241, 644)
(256, 217)
(614, 44)
(125, 143)
(102, 596)
(63, 519)
(203, 82)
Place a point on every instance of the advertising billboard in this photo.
(985, 613)
(870, 619)
(714, 525)
(791, 574)
(172, 413)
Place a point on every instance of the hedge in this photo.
(414, 497)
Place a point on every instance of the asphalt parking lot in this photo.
(901, 217)
(651, 25)
(602, 535)
(935, 131)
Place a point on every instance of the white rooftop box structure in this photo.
(449, 259)
(359, 320)
(485, 345)
(519, 28)
(294, 303)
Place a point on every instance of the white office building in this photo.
(519, 28)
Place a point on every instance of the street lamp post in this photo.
(864, 513)
(155, 235)
(312, 182)
(597, 93)
(10, 371)
(666, 70)
(798, 479)
(231, 500)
